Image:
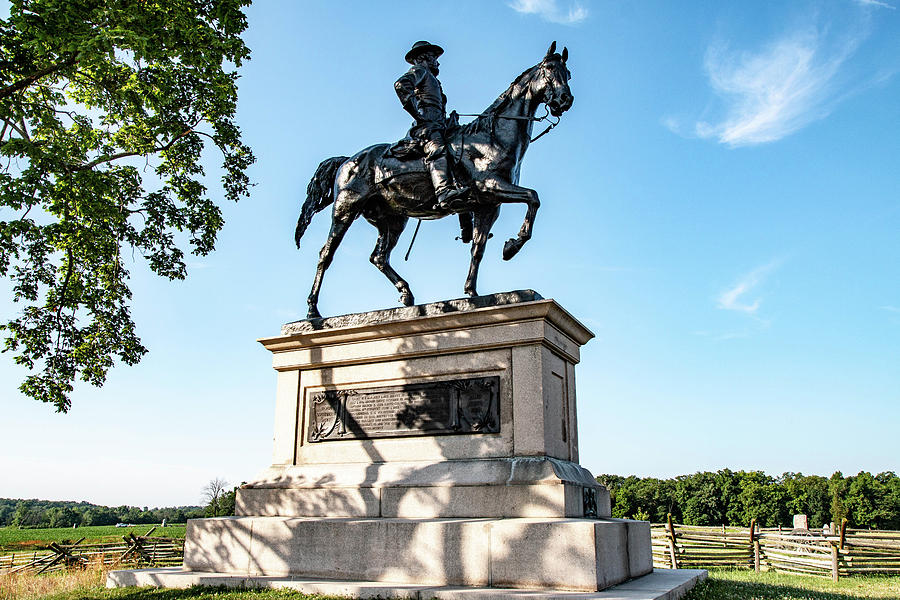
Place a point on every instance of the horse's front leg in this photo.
(509, 193)
(483, 221)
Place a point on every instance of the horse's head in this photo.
(552, 82)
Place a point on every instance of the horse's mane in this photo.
(485, 121)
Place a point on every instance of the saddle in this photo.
(404, 157)
(408, 148)
(407, 155)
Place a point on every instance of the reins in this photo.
(545, 117)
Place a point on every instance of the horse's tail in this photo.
(319, 193)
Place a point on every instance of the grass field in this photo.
(721, 585)
(747, 585)
(27, 540)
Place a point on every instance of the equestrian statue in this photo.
(440, 168)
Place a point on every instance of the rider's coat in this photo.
(421, 94)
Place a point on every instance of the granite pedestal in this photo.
(433, 445)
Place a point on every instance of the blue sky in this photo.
(721, 206)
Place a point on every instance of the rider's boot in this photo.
(448, 196)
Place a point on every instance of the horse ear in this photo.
(565, 54)
(552, 48)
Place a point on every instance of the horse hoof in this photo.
(313, 313)
(511, 248)
(407, 299)
(470, 293)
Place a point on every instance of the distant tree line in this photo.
(48, 513)
(734, 498)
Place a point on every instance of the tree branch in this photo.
(124, 154)
(106, 158)
(27, 81)
(16, 128)
(23, 129)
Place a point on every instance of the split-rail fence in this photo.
(133, 550)
(846, 552)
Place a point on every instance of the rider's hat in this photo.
(420, 47)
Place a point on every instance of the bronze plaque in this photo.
(433, 408)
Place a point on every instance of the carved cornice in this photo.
(372, 328)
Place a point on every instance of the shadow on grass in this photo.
(196, 592)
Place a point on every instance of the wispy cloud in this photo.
(773, 91)
(551, 11)
(893, 309)
(736, 297)
(876, 3)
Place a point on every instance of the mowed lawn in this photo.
(748, 585)
(27, 540)
(721, 585)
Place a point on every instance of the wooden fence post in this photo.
(835, 551)
(843, 531)
(672, 553)
(834, 562)
(754, 541)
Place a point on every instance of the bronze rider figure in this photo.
(422, 97)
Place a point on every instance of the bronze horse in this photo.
(488, 152)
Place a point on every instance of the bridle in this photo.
(545, 117)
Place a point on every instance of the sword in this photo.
(415, 233)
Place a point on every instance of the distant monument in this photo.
(429, 450)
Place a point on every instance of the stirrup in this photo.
(453, 198)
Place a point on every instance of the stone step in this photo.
(658, 585)
(536, 553)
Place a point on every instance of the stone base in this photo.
(555, 554)
(658, 585)
(418, 450)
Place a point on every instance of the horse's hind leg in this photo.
(345, 212)
(389, 230)
(484, 220)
